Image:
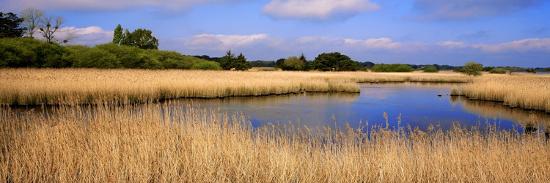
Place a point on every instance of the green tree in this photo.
(117, 36)
(293, 64)
(392, 68)
(10, 25)
(335, 62)
(430, 68)
(241, 63)
(142, 38)
(472, 68)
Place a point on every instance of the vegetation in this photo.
(81, 86)
(26, 52)
(335, 62)
(525, 91)
(230, 62)
(392, 68)
(140, 38)
(498, 70)
(158, 144)
(294, 64)
(430, 68)
(472, 68)
(10, 25)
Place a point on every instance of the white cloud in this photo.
(467, 9)
(225, 42)
(453, 44)
(86, 35)
(103, 4)
(317, 9)
(374, 43)
(523, 45)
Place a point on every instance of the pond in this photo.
(397, 105)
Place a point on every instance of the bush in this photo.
(498, 71)
(392, 68)
(430, 68)
(26, 52)
(95, 58)
(208, 65)
(293, 64)
(472, 68)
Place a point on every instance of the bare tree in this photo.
(48, 27)
(31, 20)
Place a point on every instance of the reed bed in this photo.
(94, 86)
(522, 91)
(149, 143)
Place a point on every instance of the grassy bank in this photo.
(523, 91)
(81, 86)
(127, 144)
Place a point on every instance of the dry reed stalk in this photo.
(83, 86)
(523, 91)
(146, 144)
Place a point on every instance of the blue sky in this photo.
(493, 32)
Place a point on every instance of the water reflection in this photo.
(531, 120)
(395, 105)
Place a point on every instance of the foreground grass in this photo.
(83, 86)
(143, 144)
(523, 91)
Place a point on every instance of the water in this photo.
(396, 105)
(393, 105)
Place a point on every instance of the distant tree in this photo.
(225, 61)
(472, 68)
(143, 38)
(430, 68)
(49, 26)
(229, 61)
(117, 35)
(392, 68)
(31, 20)
(294, 64)
(10, 25)
(279, 63)
(335, 62)
(498, 70)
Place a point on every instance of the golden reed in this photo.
(146, 144)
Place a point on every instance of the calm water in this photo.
(415, 105)
(403, 105)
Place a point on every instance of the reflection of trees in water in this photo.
(273, 100)
(530, 120)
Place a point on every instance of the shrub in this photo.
(498, 71)
(293, 64)
(392, 68)
(430, 68)
(206, 65)
(95, 58)
(472, 68)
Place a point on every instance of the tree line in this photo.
(21, 47)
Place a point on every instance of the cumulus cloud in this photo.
(225, 42)
(103, 4)
(90, 36)
(467, 9)
(317, 9)
(523, 45)
(374, 43)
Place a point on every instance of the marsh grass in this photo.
(149, 143)
(523, 91)
(94, 86)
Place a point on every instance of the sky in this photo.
(492, 32)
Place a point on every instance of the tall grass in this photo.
(523, 91)
(83, 86)
(147, 144)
